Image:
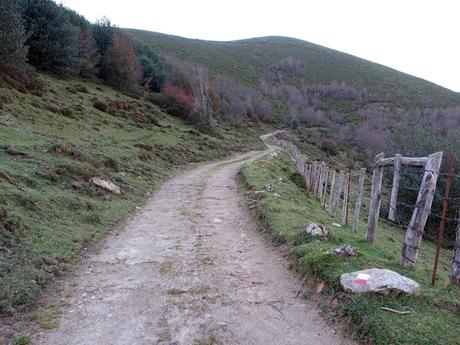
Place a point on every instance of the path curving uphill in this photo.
(189, 268)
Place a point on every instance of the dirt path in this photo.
(190, 268)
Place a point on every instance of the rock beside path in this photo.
(107, 185)
(316, 230)
(344, 250)
(378, 280)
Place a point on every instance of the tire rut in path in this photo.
(189, 268)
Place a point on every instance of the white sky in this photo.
(419, 37)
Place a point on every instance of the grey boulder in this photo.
(378, 280)
(343, 250)
(316, 230)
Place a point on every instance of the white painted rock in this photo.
(107, 185)
(316, 230)
(343, 250)
(378, 280)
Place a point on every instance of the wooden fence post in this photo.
(337, 194)
(331, 192)
(317, 178)
(395, 188)
(376, 200)
(421, 212)
(307, 176)
(322, 174)
(313, 176)
(442, 223)
(359, 199)
(325, 188)
(346, 196)
(455, 270)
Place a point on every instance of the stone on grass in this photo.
(107, 185)
(343, 250)
(378, 280)
(316, 230)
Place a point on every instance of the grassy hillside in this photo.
(434, 315)
(247, 59)
(52, 143)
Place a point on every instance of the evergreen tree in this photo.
(153, 73)
(13, 51)
(52, 40)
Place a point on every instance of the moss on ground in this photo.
(52, 143)
(435, 313)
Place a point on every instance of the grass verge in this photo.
(287, 211)
(53, 142)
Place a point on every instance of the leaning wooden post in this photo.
(322, 175)
(337, 194)
(313, 176)
(317, 178)
(421, 212)
(346, 196)
(395, 188)
(455, 270)
(325, 188)
(331, 192)
(359, 199)
(307, 176)
(376, 200)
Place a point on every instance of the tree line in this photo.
(46, 36)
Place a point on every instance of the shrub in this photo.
(330, 146)
(175, 100)
(241, 102)
(101, 105)
(290, 66)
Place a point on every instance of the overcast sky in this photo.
(419, 37)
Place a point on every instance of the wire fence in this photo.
(444, 211)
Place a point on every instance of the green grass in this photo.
(22, 340)
(175, 292)
(49, 211)
(247, 59)
(435, 313)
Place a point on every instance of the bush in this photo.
(174, 100)
(330, 146)
(241, 102)
(101, 105)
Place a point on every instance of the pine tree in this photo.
(52, 40)
(13, 51)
